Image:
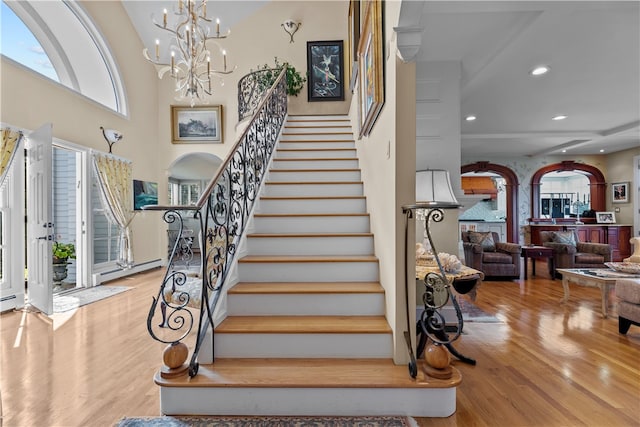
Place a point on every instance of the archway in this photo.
(597, 184)
(511, 188)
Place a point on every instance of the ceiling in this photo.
(592, 49)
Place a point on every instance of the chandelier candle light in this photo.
(190, 58)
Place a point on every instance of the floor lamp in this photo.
(433, 195)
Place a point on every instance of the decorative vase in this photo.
(59, 273)
(635, 241)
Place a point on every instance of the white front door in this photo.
(39, 219)
(12, 234)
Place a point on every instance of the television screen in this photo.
(144, 193)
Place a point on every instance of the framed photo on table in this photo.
(620, 192)
(196, 124)
(325, 68)
(605, 217)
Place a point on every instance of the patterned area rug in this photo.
(75, 299)
(192, 421)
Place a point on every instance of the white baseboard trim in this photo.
(105, 276)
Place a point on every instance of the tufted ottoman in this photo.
(628, 293)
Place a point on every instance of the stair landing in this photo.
(268, 386)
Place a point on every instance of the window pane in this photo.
(19, 44)
(105, 235)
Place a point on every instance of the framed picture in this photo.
(606, 217)
(352, 48)
(620, 192)
(325, 68)
(370, 62)
(144, 193)
(196, 124)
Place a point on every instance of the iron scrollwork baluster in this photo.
(222, 211)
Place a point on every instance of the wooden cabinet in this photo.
(617, 236)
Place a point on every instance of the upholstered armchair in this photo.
(485, 252)
(569, 252)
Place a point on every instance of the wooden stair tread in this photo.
(316, 133)
(304, 325)
(308, 258)
(314, 170)
(295, 141)
(306, 288)
(315, 127)
(309, 235)
(313, 183)
(305, 373)
(315, 149)
(312, 159)
(305, 215)
(309, 197)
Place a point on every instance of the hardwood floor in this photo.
(547, 364)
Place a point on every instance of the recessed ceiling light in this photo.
(559, 117)
(470, 118)
(539, 70)
(564, 151)
(602, 150)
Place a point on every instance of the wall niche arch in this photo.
(511, 188)
(597, 184)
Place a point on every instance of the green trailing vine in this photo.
(295, 80)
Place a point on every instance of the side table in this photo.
(534, 252)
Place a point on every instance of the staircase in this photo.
(305, 332)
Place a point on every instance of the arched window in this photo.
(75, 49)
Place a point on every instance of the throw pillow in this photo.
(565, 237)
(484, 239)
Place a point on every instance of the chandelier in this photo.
(190, 63)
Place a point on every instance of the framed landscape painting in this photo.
(370, 60)
(325, 68)
(196, 124)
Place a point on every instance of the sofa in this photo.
(628, 294)
(485, 252)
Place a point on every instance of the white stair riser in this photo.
(334, 245)
(308, 271)
(318, 130)
(327, 123)
(314, 164)
(317, 118)
(355, 205)
(419, 402)
(316, 137)
(315, 154)
(345, 345)
(316, 190)
(312, 224)
(371, 304)
(314, 176)
(312, 143)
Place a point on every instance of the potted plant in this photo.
(61, 252)
(295, 80)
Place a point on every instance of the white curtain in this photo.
(8, 146)
(114, 175)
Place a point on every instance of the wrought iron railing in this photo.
(222, 211)
(251, 90)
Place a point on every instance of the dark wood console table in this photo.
(617, 235)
